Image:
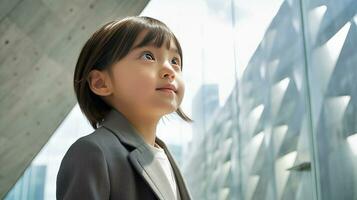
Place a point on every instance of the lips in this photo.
(168, 87)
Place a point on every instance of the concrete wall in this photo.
(40, 43)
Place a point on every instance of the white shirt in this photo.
(161, 156)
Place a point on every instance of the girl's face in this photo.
(138, 78)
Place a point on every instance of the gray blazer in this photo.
(114, 162)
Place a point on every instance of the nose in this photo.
(167, 71)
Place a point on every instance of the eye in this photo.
(147, 56)
(176, 61)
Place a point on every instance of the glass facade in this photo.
(331, 41)
(271, 88)
(288, 129)
(273, 114)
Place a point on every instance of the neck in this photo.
(145, 125)
(146, 128)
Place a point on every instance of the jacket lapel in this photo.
(152, 172)
(142, 158)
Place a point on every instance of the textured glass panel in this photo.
(332, 41)
(273, 118)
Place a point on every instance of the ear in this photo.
(99, 82)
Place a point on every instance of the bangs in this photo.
(120, 37)
(158, 36)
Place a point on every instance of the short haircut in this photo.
(106, 46)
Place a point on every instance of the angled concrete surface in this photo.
(40, 43)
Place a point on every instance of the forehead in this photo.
(154, 39)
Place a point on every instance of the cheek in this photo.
(182, 87)
(138, 84)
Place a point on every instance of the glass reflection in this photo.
(331, 42)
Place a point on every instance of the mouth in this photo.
(166, 90)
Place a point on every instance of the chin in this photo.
(169, 110)
(164, 108)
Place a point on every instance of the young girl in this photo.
(128, 76)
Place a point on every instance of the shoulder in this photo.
(92, 142)
(101, 143)
(101, 138)
(88, 154)
(90, 146)
(83, 170)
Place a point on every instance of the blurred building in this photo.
(204, 104)
(31, 185)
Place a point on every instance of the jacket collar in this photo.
(142, 157)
